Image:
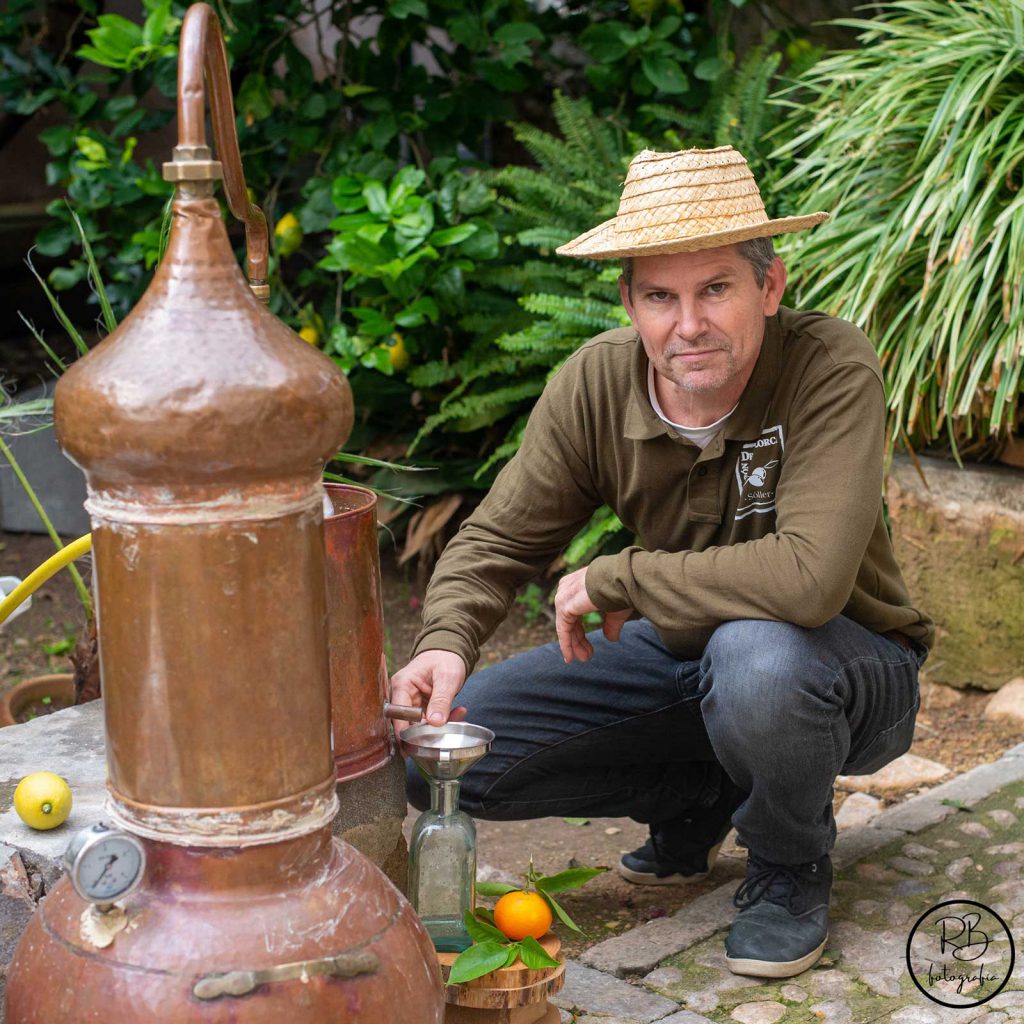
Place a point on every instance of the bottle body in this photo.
(442, 868)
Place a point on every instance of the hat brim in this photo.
(604, 242)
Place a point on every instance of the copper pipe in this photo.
(202, 49)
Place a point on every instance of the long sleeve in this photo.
(538, 502)
(827, 505)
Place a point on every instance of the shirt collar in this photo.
(748, 419)
(642, 423)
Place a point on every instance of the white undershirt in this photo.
(700, 436)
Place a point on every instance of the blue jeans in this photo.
(635, 732)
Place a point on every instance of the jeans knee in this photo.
(757, 675)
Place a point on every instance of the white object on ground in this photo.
(7, 586)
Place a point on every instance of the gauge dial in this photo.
(106, 865)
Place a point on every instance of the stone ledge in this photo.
(970, 788)
(593, 991)
(71, 744)
(643, 948)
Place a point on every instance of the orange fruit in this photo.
(518, 914)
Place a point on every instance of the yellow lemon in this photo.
(310, 334)
(288, 234)
(43, 800)
(398, 354)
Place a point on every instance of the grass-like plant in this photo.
(915, 143)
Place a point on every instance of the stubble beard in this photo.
(698, 381)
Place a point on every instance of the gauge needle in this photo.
(106, 868)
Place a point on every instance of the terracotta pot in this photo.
(61, 687)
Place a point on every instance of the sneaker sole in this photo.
(650, 878)
(774, 968)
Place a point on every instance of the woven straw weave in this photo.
(682, 202)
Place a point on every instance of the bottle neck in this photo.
(444, 797)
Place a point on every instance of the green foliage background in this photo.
(423, 158)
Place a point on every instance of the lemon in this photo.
(398, 354)
(310, 334)
(288, 234)
(43, 800)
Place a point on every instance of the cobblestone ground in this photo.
(976, 854)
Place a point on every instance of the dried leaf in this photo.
(425, 524)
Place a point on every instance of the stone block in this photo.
(643, 948)
(370, 816)
(958, 538)
(858, 809)
(906, 772)
(852, 846)
(1008, 703)
(595, 992)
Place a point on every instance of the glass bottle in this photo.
(442, 867)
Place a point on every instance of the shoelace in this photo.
(772, 882)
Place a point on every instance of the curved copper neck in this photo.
(202, 50)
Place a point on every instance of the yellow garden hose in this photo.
(39, 576)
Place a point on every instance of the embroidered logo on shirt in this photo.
(757, 472)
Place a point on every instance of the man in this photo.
(757, 639)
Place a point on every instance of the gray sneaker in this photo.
(683, 850)
(782, 926)
(655, 864)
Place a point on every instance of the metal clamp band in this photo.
(235, 984)
(275, 822)
(229, 507)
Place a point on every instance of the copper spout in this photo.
(202, 49)
(405, 712)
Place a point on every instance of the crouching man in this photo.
(758, 639)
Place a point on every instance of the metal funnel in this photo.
(447, 752)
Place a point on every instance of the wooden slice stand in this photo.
(513, 995)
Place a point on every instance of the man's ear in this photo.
(775, 285)
(627, 299)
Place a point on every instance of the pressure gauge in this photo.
(104, 863)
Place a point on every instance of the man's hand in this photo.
(571, 604)
(431, 680)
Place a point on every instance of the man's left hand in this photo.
(571, 603)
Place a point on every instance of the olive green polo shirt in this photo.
(779, 517)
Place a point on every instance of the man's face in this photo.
(700, 316)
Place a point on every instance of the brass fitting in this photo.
(192, 163)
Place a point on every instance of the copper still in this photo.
(203, 425)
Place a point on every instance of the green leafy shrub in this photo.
(418, 252)
(913, 141)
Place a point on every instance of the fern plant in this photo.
(560, 303)
(915, 142)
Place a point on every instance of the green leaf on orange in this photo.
(571, 879)
(556, 909)
(480, 959)
(482, 931)
(534, 955)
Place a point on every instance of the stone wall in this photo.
(959, 537)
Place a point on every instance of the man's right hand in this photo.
(431, 680)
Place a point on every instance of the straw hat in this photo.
(681, 202)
